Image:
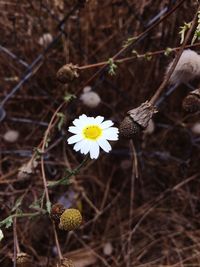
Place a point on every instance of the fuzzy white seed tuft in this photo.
(196, 128)
(11, 136)
(188, 68)
(90, 99)
(45, 39)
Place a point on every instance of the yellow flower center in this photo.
(92, 132)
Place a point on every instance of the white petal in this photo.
(83, 116)
(85, 147)
(104, 144)
(75, 138)
(78, 145)
(1, 235)
(81, 121)
(74, 130)
(99, 119)
(106, 124)
(90, 120)
(111, 134)
(78, 123)
(94, 150)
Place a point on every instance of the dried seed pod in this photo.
(27, 169)
(142, 114)
(70, 219)
(56, 212)
(128, 128)
(191, 103)
(66, 263)
(23, 260)
(137, 119)
(67, 73)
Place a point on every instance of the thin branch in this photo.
(175, 62)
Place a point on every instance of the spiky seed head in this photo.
(66, 263)
(23, 260)
(70, 219)
(67, 73)
(128, 128)
(191, 103)
(56, 211)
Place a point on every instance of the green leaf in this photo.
(112, 66)
(129, 41)
(61, 121)
(8, 222)
(68, 97)
(183, 30)
(48, 140)
(135, 53)
(148, 56)
(168, 51)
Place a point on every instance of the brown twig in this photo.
(135, 39)
(128, 59)
(175, 62)
(51, 124)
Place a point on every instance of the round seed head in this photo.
(56, 212)
(191, 103)
(66, 263)
(67, 73)
(128, 128)
(23, 260)
(70, 219)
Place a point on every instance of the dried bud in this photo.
(66, 263)
(128, 128)
(137, 119)
(191, 103)
(56, 212)
(23, 260)
(67, 73)
(70, 219)
(27, 169)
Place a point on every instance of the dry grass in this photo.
(160, 227)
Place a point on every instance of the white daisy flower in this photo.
(91, 133)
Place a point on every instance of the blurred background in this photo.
(152, 220)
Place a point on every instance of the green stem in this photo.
(64, 180)
(20, 215)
